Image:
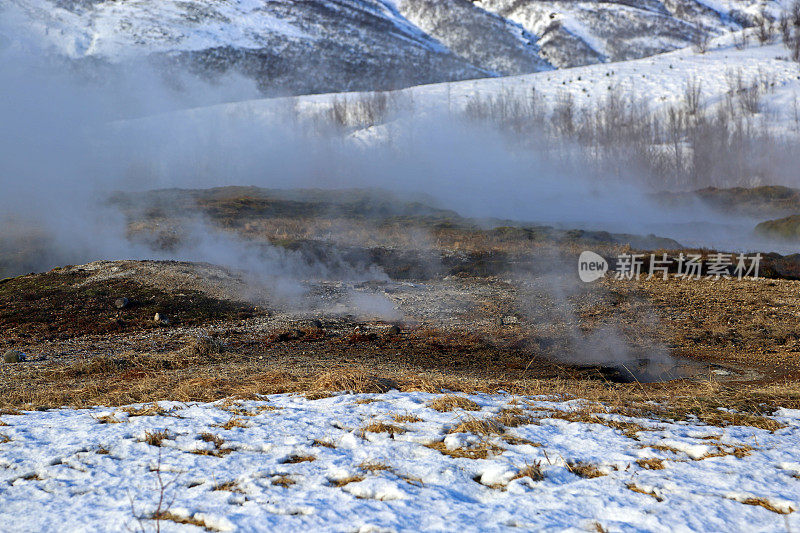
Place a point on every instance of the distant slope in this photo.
(289, 47)
(315, 46)
(585, 32)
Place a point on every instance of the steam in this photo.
(71, 135)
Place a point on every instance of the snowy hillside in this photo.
(392, 462)
(659, 80)
(334, 45)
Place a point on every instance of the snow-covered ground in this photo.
(288, 463)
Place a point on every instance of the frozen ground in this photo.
(91, 470)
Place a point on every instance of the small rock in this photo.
(13, 356)
(121, 303)
(509, 320)
(395, 329)
(161, 318)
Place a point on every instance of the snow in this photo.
(66, 470)
(661, 80)
(117, 30)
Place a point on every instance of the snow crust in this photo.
(67, 470)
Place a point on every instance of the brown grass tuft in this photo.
(323, 443)
(636, 488)
(374, 466)
(341, 482)
(155, 438)
(210, 437)
(108, 419)
(534, 472)
(147, 410)
(382, 427)
(480, 451)
(766, 504)
(448, 402)
(230, 486)
(293, 459)
(358, 381)
(584, 470)
(283, 481)
(406, 418)
(513, 417)
(187, 520)
(478, 426)
(651, 463)
(518, 441)
(233, 423)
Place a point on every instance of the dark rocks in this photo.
(13, 356)
(121, 303)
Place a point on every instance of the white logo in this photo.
(591, 266)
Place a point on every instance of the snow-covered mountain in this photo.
(307, 46)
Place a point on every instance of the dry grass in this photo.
(478, 426)
(406, 418)
(214, 439)
(374, 466)
(4, 439)
(147, 410)
(449, 402)
(230, 486)
(766, 504)
(366, 401)
(518, 441)
(382, 427)
(217, 441)
(479, 451)
(629, 429)
(249, 411)
(665, 448)
(513, 417)
(283, 481)
(183, 520)
(155, 438)
(355, 380)
(341, 482)
(534, 472)
(233, 423)
(636, 488)
(739, 452)
(584, 470)
(651, 463)
(56, 385)
(109, 419)
(323, 443)
(216, 452)
(294, 459)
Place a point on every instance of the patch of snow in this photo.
(64, 463)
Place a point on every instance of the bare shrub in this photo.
(765, 30)
(750, 98)
(361, 111)
(741, 40)
(692, 95)
(700, 42)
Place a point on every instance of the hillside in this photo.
(293, 47)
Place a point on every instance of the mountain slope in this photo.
(314, 46)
